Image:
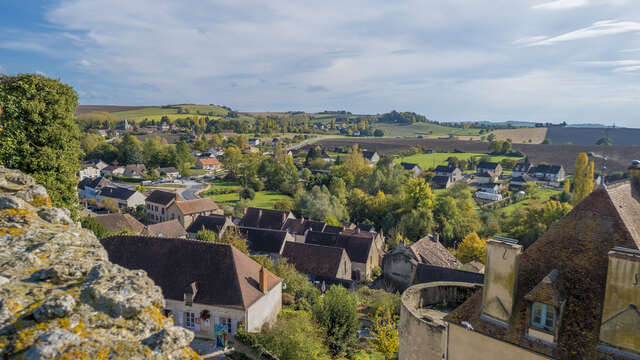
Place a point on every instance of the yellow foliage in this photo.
(385, 332)
(472, 248)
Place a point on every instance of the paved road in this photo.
(188, 193)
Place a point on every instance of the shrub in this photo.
(248, 193)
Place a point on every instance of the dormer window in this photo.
(543, 316)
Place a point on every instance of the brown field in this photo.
(620, 157)
(517, 136)
(85, 109)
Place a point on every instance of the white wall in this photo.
(265, 310)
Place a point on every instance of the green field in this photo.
(172, 113)
(430, 161)
(425, 129)
(538, 198)
(263, 199)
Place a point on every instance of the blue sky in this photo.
(456, 60)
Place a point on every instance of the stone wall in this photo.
(60, 297)
(423, 334)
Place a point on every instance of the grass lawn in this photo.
(264, 199)
(180, 186)
(539, 197)
(430, 161)
(172, 113)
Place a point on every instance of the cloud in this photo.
(560, 4)
(624, 66)
(84, 63)
(38, 72)
(597, 29)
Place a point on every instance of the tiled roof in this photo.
(358, 246)
(445, 168)
(546, 169)
(264, 218)
(264, 240)
(577, 246)
(488, 165)
(224, 276)
(211, 222)
(368, 154)
(209, 161)
(316, 260)
(167, 170)
(171, 229)
(441, 179)
(187, 207)
(117, 192)
(117, 223)
(92, 182)
(430, 251)
(409, 166)
(162, 197)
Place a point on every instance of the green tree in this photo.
(183, 158)
(336, 312)
(319, 203)
(295, 336)
(583, 178)
(206, 235)
(472, 248)
(232, 236)
(38, 134)
(604, 141)
(304, 293)
(528, 226)
(419, 194)
(90, 223)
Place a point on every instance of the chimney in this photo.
(620, 320)
(263, 280)
(500, 279)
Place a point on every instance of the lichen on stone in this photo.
(60, 297)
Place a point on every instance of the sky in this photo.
(452, 60)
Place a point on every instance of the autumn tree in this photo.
(419, 194)
(472, 248)
(206, 235)
(38, 134)
(337, 313)
(582, 179)
(385, 332)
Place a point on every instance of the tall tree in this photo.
(38, 133)
(337, 313)
(472, 248)
(582, 179)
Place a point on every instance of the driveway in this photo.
(189, 193)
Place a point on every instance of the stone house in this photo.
(170, 172)
(453, 172)
(572, 294)
(266, 241)
(90, 187)
(361, 248)
(204, 284)
(208, 163)
(414, 168)
(188, 210)
(522, 168)
(123, 197)
(113, 170)
(135, 171)
(554, 173)
(169, 228)
(88, 171)
(319, 262)
(520, 181)
(299, 227)
(492, 188)
(214, 222)
(157, 203)
(371, 156)
(400, 265)
(441, 182)
(120, 223)
(487, 167)
(265, 218)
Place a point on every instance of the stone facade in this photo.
(60, 297)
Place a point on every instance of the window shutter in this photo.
(180, 318)
(234, 326)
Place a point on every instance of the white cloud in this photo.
(623, 66)
(84, 63)
(597, 29)
(560, 4)
(38, 72)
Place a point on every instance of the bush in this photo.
(248, 193)
(92, 224)
(251, 340)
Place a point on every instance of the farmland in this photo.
(430, 161)
(619, 156)
(517, 136)
(226, 193)
(138, 113)
(424, 129)
(589, 136)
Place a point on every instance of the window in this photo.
(189, 320)
(162, 211)
(543, 316)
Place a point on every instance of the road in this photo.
(189, 193)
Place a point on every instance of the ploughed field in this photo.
(589, 136)
(619, 157)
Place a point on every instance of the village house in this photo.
(169, 228)
(321, 263)
(90, 187)
(554, 173)
(492, 188)
(520, 181)
(124, 126)
(170, 172)
(572, 294)
(414, 168)
(266, 241)
(493, 169)
(204, 285)
(135, 171)
(214, 222)
(208, 163)
(371, 156)
(265, 218)
(522, 168)
(120, 224)
(254, 141)
(441, 182)
(113, 170)
(157, 202)
(250, 149)
(400, 265)
(164, 126)
(188, 210)
(124, 198)
(451, 171)
(361, 248)
(87, 170)
(299, 227)
(102, 132)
